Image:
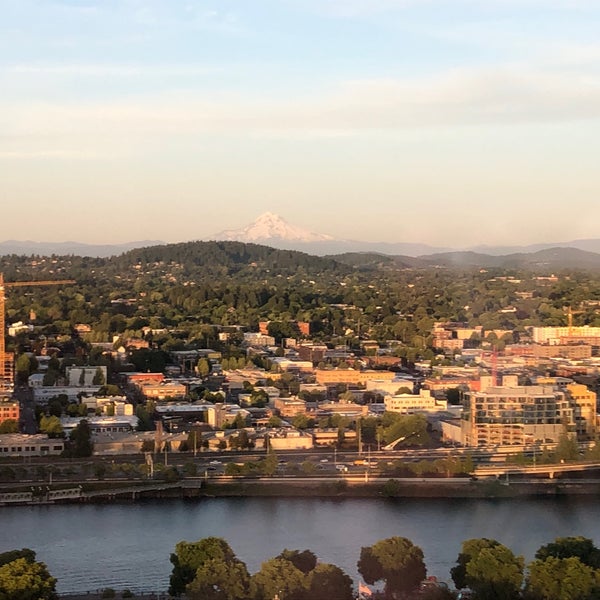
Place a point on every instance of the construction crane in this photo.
(570, 312)
(6, 362)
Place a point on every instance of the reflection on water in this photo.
(94, 546)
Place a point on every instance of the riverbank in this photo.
(346, 487)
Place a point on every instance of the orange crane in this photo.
(6, 369)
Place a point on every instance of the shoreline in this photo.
(329, 488)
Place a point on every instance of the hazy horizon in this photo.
(452, 124)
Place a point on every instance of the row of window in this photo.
(30, 449)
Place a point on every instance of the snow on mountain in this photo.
(269, 227)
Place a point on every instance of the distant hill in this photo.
(551, 258)
(28, 248)
(375, 260)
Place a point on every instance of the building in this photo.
(583, 401)
(557, 335)
(86, 376)
(9, 410)
(414, 403)
(351, 376)
(516, 415)
(17, 444)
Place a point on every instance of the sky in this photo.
(449, 122)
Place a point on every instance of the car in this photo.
(324, 460)
(342, 468)
(216, 463)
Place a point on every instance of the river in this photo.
(88, 546)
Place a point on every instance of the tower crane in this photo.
(6, 369)
(570, 312)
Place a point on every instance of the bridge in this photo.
(549, 470)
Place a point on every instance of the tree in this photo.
(329, 582)
(23, 578)
(470, 549)
(561, 579)
(80, 444)
(99, 378)
(495, 574)
(190, 556)
(51, 426)
(23, 368)
(567, 449)
(203, 367)
(220, 579)
(306, 560)
(576, 546)
(280, 577)
(396, 561)
(9, 426)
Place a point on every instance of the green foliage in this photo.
(396, 561)
(51, 426)
(278, 576)
(391, 488)
(9, 426)
(80, 441)
(269, 464)
(190, 556)
(109, 593)
(470, 549)
(566, 547)
(329, 582)
(413, 428)
(495, 574)
(561, 579)
(220, 579)
(567, 449)
(304, 560)
(22, 578)
(99, 378)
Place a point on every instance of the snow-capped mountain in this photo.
(269, 227)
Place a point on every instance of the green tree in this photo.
(203, 367)
(576, 546)
(190, 556)
(80, 440)
(561, 579)
(470, 549)
(51, 426)
(329, 582)
(305, 560)
(567, 449)
(99, 378)
(24, 578)
(280, 577)
(220, 579)
(9, 426)
(396, 561)
(23, 368)
(495, 574)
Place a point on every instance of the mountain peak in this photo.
(268, 227)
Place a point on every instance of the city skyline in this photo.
(453, 124)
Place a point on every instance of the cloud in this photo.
(464, 97)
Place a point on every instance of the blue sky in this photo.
(449, 122)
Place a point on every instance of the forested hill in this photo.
(233, 256)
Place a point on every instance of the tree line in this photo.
(566, 569)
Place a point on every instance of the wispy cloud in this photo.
(507, 96)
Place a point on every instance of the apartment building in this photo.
(519, 415)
